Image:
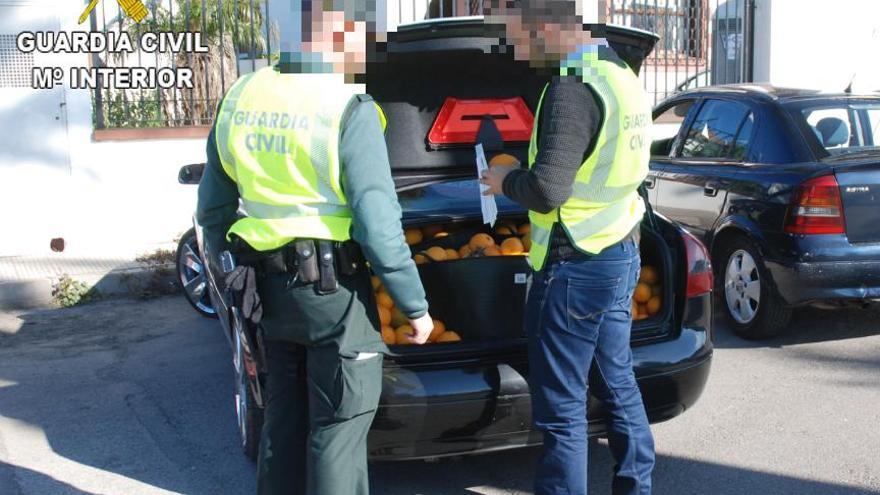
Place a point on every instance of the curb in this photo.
(140, 282)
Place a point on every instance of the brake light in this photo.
(700, 279)
(458, 121)
(816, 208)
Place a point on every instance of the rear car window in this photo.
(715, 131)
(839, 126)
(666, 127)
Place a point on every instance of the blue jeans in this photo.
(578, 316)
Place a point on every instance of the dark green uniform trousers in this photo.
(321, 398)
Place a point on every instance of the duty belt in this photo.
(308, 260)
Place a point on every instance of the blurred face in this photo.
(541, 42)
(341, 43)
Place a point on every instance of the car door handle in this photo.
(650, 182)
(710, 190)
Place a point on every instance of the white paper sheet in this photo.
(487, 203)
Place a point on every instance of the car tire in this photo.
(248, 414)
(191, 275)
(751, 300)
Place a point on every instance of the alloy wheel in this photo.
(742, 287)
(192, 277)
(241, 388)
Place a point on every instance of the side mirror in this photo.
(191, 174)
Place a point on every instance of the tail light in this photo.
(700, 279)
(458, 121)
(816, 208)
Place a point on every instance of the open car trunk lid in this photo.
(458, 58)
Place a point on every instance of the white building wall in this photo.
(818, 44)
(101, 197)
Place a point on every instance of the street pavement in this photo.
(132, 397)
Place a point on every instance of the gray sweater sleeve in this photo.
(366, 179)
(569, 122)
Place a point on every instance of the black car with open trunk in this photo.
(472, 395)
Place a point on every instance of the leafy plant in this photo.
(68, 292)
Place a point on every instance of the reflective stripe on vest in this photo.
(278, 139)
(605, 204)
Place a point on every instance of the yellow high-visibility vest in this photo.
(605, 204)
(278, 139)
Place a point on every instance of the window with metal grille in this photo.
(681, 25)
(15, 66)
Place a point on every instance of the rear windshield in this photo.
(841, 127)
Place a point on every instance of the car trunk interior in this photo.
(483, 298)
(480, 298)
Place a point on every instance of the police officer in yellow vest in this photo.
(588, 157)
(300, 150)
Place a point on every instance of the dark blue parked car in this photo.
(783, 185)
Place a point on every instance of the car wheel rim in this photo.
(241, 391)
(192, 277)
(742, 287)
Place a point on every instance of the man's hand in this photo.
(494, 178)
(422, 328)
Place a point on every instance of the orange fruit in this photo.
(527, 243)
(438, 330)
(436, 253)
(465, 251)
(397, 318)
(420, 259)
(376, 282)
(643, 313)
(452, 254)
(401, 333)
(384, 300)
(492, 251)
(448, 336)
(388, 335)
(504, 230)
(512, 246)
(384, 315)
(413, 236)
(524, 229)
(634, 309)
(441, 235)
(649, 275)
(504, 159)
(654, 305)
(643, 293)
(481, 241)
(431, 230)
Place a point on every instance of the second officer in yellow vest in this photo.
(301, 152)
(588, 157)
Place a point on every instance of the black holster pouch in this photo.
(328, 282)
(348, 258)
(306, 261)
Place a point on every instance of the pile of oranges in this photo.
(648, 297)
(516, 242)
(395, 326)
